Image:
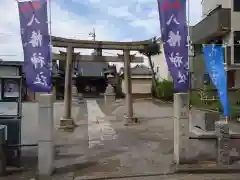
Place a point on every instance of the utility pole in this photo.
(96, 51)
(93, 34)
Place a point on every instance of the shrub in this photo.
(217, 106)
(195, 99)
(164, 90)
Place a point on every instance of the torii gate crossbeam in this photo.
(96, 58)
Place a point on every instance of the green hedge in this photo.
(214, 105)
(164, 90)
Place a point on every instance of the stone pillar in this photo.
(45, 141)
(223, 139)
(128, 88)
(181, 126)
(67, 121)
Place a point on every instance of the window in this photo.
(237, 47)
(227, 58)
(231, 79)
(236, 5)
(198, 49)
(206, 79)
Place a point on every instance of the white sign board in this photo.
(11, 88)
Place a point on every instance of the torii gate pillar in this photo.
(67, 120)
(128, 88)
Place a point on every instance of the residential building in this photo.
(219, 25)
(160, 65)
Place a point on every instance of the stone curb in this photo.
(202, 170)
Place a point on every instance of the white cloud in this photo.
(143, 18)
(70, 25)
(64, 24)
(195, 11)
(120, 12)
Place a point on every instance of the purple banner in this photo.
(174, 30)
(36, 45)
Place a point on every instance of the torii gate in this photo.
(67, 121)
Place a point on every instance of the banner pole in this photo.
(50, 34)
(189, 49)
(227, 93)
(226, 72)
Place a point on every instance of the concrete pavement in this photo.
(102, 146)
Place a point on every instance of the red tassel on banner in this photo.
(169, 5)
(30, 6)
(176, 4)
(36, 5)
(166, 4)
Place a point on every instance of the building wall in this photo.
(161, 67)
(198, 70)
(139, 86)
(235, 26)
(209, 5)
(9, 71)
(235, 21)
(237, 79)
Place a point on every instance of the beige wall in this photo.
(139, 86)
(36, 95)
(161, 67)
(235, 21)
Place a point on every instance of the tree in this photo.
(151, 49)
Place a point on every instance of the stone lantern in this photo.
(109, 95)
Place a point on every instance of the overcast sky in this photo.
(118, 20)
